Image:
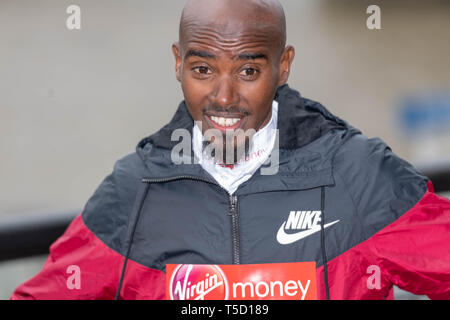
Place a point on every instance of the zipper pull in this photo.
(233, 202)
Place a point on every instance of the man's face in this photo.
(229, 75)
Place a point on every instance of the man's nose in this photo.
(225, 94)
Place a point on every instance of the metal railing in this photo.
(32, 234)
(438, 172)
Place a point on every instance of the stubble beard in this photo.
(227, 149)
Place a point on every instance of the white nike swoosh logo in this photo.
(285, 238)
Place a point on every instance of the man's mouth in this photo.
(225, 123)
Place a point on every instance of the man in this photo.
(335, 197)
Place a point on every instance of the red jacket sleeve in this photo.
(414, 251)
(79, 266)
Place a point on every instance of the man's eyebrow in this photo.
(251, 56)
(241, 56)
(199, 53)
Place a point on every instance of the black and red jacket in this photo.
(380, 211)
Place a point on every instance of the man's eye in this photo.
(248, 72)
(202, 70)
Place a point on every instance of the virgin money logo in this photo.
(271, 281)
(198, 282)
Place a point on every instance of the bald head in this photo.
(228, 20)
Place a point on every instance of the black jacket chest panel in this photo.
(263, 215)
(188, 221)
(183, 222)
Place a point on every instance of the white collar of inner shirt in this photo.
(232, 176)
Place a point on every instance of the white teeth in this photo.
(225, 122)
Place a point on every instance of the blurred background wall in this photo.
(72, 102)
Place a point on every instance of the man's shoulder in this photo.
(357, 147)
(126, 177)
(106, 212)
(374, 174)
(360, 153)
(131, 166)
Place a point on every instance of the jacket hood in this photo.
(309, 135)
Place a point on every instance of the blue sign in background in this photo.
(426, 112)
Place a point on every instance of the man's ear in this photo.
(178, 60)
(285, 64)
